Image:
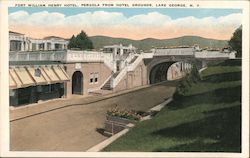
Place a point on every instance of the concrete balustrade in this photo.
(214, 54)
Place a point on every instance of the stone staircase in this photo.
(134, 58)
(117, 76)
(107, 85)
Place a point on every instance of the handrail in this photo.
(133, 65)
(118, 78)
(214, 54)
(124, 71)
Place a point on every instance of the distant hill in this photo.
(148, 43)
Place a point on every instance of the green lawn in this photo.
(207, 118)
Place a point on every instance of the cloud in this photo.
(153, 24)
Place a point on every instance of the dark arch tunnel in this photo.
(159, 72)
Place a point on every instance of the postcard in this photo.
(124, 78)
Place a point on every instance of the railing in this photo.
(37, 56)
(64, 56)
(148, 55)
(214, 54)
(124, 71)
(77, 56)
(129, 58)
(174, 51)
(108, 60)
(17, 38)
(133, 65)
(118, 78)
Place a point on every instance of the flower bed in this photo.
(126, 114)
(117, 119)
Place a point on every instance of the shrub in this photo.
(127, 114)
(192, 78)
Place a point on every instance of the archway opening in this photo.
(77, 83)
(168, 71)
(159, 72)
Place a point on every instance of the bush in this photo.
(192, 78)
(127, 114)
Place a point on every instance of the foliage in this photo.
(190, 79)
(81, 41)
(72, 42)
(235, 42)
(127, 114)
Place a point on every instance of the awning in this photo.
(20, 77)
(61, 73)
(12, 82)
(37, 75)
(24, 76)
(51, 74)
(13, 76)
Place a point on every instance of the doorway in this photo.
(77, 83)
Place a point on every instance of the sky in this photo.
(133, 23)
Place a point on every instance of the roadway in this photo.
(73, 128)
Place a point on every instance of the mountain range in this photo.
(148, 43)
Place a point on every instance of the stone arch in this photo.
(77, 83)
(157, 68)
(158, 73)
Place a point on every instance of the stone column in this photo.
(45, 45)
(30, 46)
(52, 46)
(22, 46)
(37, 46)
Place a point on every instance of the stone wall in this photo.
(133, 79)
(86, 68)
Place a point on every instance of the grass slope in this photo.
(146, 44)
(207, 118)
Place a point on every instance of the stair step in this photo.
(133, 60)
(107, 85)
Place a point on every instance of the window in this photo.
(91, 78)
(94, 77)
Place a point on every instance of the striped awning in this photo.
(61, 73)
(20, 77)
(51, 74)
(37, 75)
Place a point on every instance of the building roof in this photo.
(49, 37)
(173, 47)
(16, 33)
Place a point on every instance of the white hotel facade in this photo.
(19, 42)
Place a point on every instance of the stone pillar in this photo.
(45, 45)
(52, 46)
(37, 46)
(22, 46)
(121, 51)
(30, 46)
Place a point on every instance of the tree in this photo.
(235, 42)
(81, 41)
(194, 76)
(72, 42)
